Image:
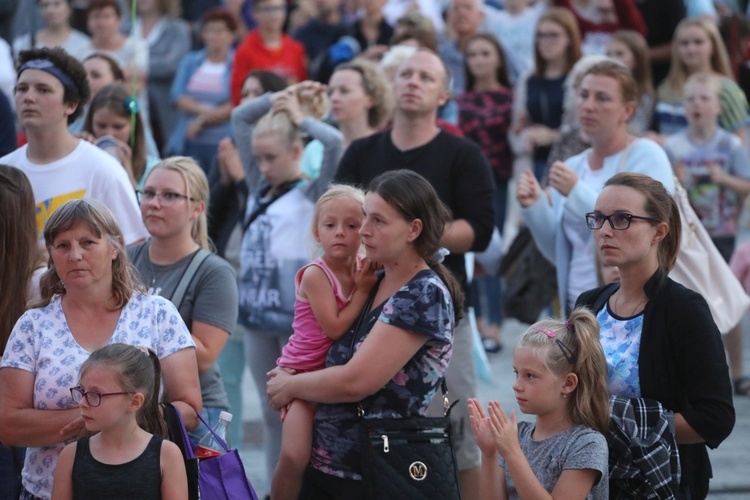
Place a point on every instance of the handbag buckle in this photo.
(386, 446)
(418, 471)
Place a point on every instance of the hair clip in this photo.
(131, 105)
(567, 352)
(440, 255)
(568, 325)
(143, 349)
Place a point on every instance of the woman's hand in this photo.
(86, 136)
(528, 189)
(504, 430)
(540, 136)
(365, 277)
(482, 428)
(230, 165)
(194, 127)
(287, 102)
(75, 429)
(562, 178)
(278, 387)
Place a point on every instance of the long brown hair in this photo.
(18, 251)
(414, 198)
(501, 73)
(565, 19)
(116, 98)
(641, 57)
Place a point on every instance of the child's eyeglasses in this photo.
(93, 398)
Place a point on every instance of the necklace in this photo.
(632, 313)
(154, 274)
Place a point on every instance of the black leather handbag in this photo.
(409, 457)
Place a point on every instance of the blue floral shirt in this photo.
(621, 341)
(423, 306)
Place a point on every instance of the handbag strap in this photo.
(192, 268)
(177, 432)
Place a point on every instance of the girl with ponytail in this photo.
(118, 394)
(659, 338)
(561, 377)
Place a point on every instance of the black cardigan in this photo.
(682, 365)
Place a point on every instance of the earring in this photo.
(564, 395)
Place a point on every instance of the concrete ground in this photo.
(731, 461)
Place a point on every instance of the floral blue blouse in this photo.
(423, 306)
(621, 342)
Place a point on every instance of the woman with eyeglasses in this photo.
(607, 99)
(659, 337)
(179, 256)
(90, 297)
(538, 98)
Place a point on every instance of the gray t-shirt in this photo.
(211, 298)
(577, 447)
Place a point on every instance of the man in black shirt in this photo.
(460, 174)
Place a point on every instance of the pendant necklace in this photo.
(632, 313)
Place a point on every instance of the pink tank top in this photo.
(308, 345)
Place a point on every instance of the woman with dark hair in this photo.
(606, 101)
(18, 282)
(90, 297)
(659, 337)
(394, 361)
(484, 116)
(538, 108)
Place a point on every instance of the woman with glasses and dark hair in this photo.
(173, 207)
(659, 337)
(607, 99)
(90, 297)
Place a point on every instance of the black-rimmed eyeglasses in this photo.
(93, 398)
(619, 221)
(165, 198)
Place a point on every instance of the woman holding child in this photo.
(659, 337)
(89, 298)
(393, 361)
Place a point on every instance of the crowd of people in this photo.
(295, 187)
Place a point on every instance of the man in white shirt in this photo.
(50, 91)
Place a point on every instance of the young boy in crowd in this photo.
(713, 166)
(710, 162)
(267, 47)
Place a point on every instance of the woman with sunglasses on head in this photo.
(607, 99)
(659, 337)
(178, 254)
(90, 297)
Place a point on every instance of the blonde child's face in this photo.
(538, 391)
(694, 48)
(337, 228)
(107, 122)
(113, 408)
(702, 107)
(278, 162)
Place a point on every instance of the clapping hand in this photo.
(482, 428)
(562, 178)
(504, 430)
(528, 189)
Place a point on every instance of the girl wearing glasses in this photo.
(607, 99)
(89, 298)
(173, 207)
(118, 396)
(659, 337)
(561, 377)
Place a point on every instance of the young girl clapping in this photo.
(561, 377)
(118, 395)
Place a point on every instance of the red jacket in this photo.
(289, 61)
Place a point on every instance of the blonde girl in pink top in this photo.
(330, 294)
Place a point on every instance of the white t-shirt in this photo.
(42, 344)
(87, 172)
(582, 272)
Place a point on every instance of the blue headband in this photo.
(49, 67)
